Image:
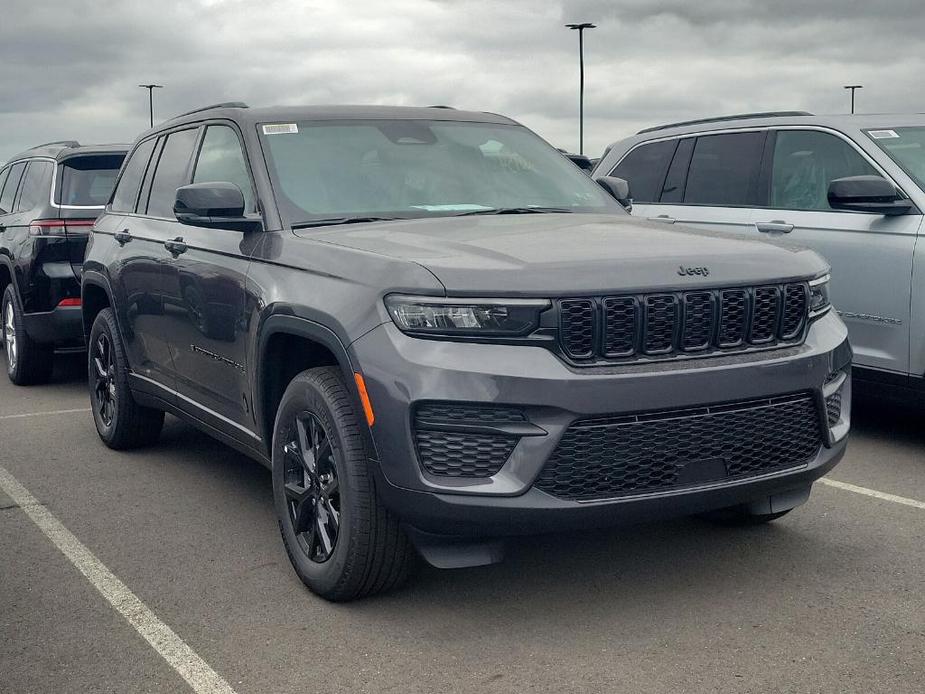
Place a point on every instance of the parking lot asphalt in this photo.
(829, 599)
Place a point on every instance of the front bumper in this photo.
(400, 371)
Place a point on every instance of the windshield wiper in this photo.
(333, 221)
(516, 210)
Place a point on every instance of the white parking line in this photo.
(197, 673)
(43, 414)
(874, 493)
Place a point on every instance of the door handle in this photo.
(664, 218)
(123, 237)
(176, 246)
(774, 227)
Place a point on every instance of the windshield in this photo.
(87, 181)
(905, 146)
(417, 168)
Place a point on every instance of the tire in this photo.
(27, 362)
(348, 545)
(740, 516)
(120, 421)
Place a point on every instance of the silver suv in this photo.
(849, 187)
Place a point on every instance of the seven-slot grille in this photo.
(674, 323)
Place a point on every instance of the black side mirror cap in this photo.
(619, 188)
(581, 161)
(872, 194)
(218, 205)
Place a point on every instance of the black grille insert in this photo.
(673, 324)
(457, 440)
(607, 457)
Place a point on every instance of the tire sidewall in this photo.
(303, 395)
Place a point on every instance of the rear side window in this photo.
(805, 162)
(222, 160)
(673, 190)
(10, 186)
(36, 185)
(644, 168)
(126, 195)
(87, 181)
(724, 170)
(171, 173)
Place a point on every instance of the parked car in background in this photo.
(49, 198)
(437, 332)
(850, 187)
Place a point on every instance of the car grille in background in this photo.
(622, 455)
(678, 323)
(466, 452)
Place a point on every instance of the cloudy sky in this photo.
(69, 68)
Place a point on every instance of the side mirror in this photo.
(619, 188)
(213, 206)
(867, 194)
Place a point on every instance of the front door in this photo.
(205, 309)
(870, 254)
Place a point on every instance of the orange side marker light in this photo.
(364, 398)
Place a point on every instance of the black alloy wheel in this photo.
(312, 490)
(104, 373)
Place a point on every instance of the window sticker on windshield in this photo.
(280, 129)
(882, 134)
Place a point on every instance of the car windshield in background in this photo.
(88, 180)
(345, 171)
(906, 146)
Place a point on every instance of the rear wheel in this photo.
(27, 362)
(342, 542)
(120, 421)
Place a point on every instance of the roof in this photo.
(241, 113)
(843, 122)
(65, 149)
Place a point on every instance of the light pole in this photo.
(151, 88)
(581, 81)
(853, 88)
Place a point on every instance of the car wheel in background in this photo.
(27, 362)
(120, 421)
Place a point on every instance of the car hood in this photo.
(561, 254)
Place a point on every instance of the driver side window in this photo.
(805, 162)
(222, 160)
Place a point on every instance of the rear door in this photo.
(9, 218)
(871, 254)
(710, 182)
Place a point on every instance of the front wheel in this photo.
(27, 362)
(342, 542)
(120, 421)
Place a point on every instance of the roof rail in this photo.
(63, 143)
(224, 104)
(720, 119)
(452, 108)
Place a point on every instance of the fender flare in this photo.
(310, 330)
(100, 281)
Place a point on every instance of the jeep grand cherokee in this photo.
(438, 332)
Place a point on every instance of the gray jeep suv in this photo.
(850, 187)
(438, 332)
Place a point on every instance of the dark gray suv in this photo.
(438, 332)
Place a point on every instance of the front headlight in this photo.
(465, 317)
(819, 296)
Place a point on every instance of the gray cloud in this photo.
(69, 69)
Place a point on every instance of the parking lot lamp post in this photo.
(853, 88)
(151, 88)
(581, 81)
